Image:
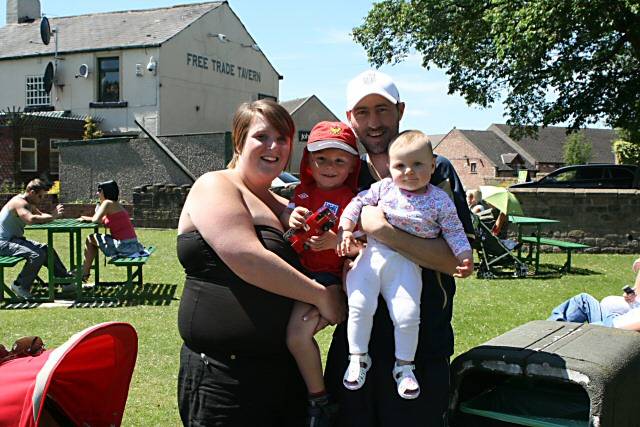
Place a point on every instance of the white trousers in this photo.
(381, 270)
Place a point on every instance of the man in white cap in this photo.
(374, 111)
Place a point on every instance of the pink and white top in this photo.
(422, 214)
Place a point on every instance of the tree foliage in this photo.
(577, 150)
(91, 130)
(553, 61)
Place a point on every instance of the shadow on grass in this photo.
(109, 294)
(545, 272)
(114, 294)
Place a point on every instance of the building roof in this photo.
(549, 145)
(293, 104)
(102, 31)
(435, 139)
(492, 146)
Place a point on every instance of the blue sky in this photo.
(309, 44)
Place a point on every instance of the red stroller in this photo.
(84, 382)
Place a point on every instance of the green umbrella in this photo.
(502, 199)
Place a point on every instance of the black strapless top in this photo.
(221, 313)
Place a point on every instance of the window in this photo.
(28, 154)
(35, 94)
(109, 79)
(474, 167)
(54, 156)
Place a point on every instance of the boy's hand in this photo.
(464, 269)
(298, 217)
(323, 242)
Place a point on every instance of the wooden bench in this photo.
(7, 261)
(130, 263)
(562, 244)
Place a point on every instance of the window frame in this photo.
(53, 149)
(37, 93)
(99, 74)
(33, 150)
(473, 167)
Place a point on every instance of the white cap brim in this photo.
(361, 96)
(330, 143)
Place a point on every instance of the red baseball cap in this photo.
(332, 135)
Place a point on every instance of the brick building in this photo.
(28, 144)
(491, 157)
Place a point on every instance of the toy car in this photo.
(316, 224)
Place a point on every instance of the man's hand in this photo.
(630, 298)
(59, 210)
(298, 217)
(464, 269)
(373, 220)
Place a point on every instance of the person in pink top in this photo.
(122, 242)
(411, 204)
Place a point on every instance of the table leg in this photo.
(520, 240)
(568, 260)
(537, 248)
(96, 263)
(50, 263)
(77, 234)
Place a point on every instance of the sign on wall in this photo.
(222, 67)
(303, 135)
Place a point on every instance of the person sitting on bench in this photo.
(122, 242)
(19, 211)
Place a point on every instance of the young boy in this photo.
(329, 173)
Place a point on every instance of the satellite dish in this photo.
(83, 71)
(45, 30)
(47, 79)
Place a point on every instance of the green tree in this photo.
(577, 150)
(91, 130)
(553, 61)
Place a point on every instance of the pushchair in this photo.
(497, 257)
(84, 382)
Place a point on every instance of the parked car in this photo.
(284, 184)
(588, 176)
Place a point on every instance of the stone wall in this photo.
(158, 205)
(137, 162)
(606, 220)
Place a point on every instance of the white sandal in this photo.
(408, 387)
(356, 372)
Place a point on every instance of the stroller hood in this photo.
(85, 381)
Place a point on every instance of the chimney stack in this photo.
(21, 11)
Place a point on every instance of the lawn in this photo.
(482, 310)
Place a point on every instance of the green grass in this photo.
(482, 310)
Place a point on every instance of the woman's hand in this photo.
(332, 306)
(323, 242)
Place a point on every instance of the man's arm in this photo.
(430, 253)
(28, 217)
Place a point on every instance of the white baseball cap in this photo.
(368, 83)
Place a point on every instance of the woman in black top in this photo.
(242, 277)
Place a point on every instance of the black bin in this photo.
(549, 374)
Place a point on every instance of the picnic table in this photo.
(73, 228)
(535, 241)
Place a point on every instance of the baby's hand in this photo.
(298, 217)
(464, 269)
(345, 242)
